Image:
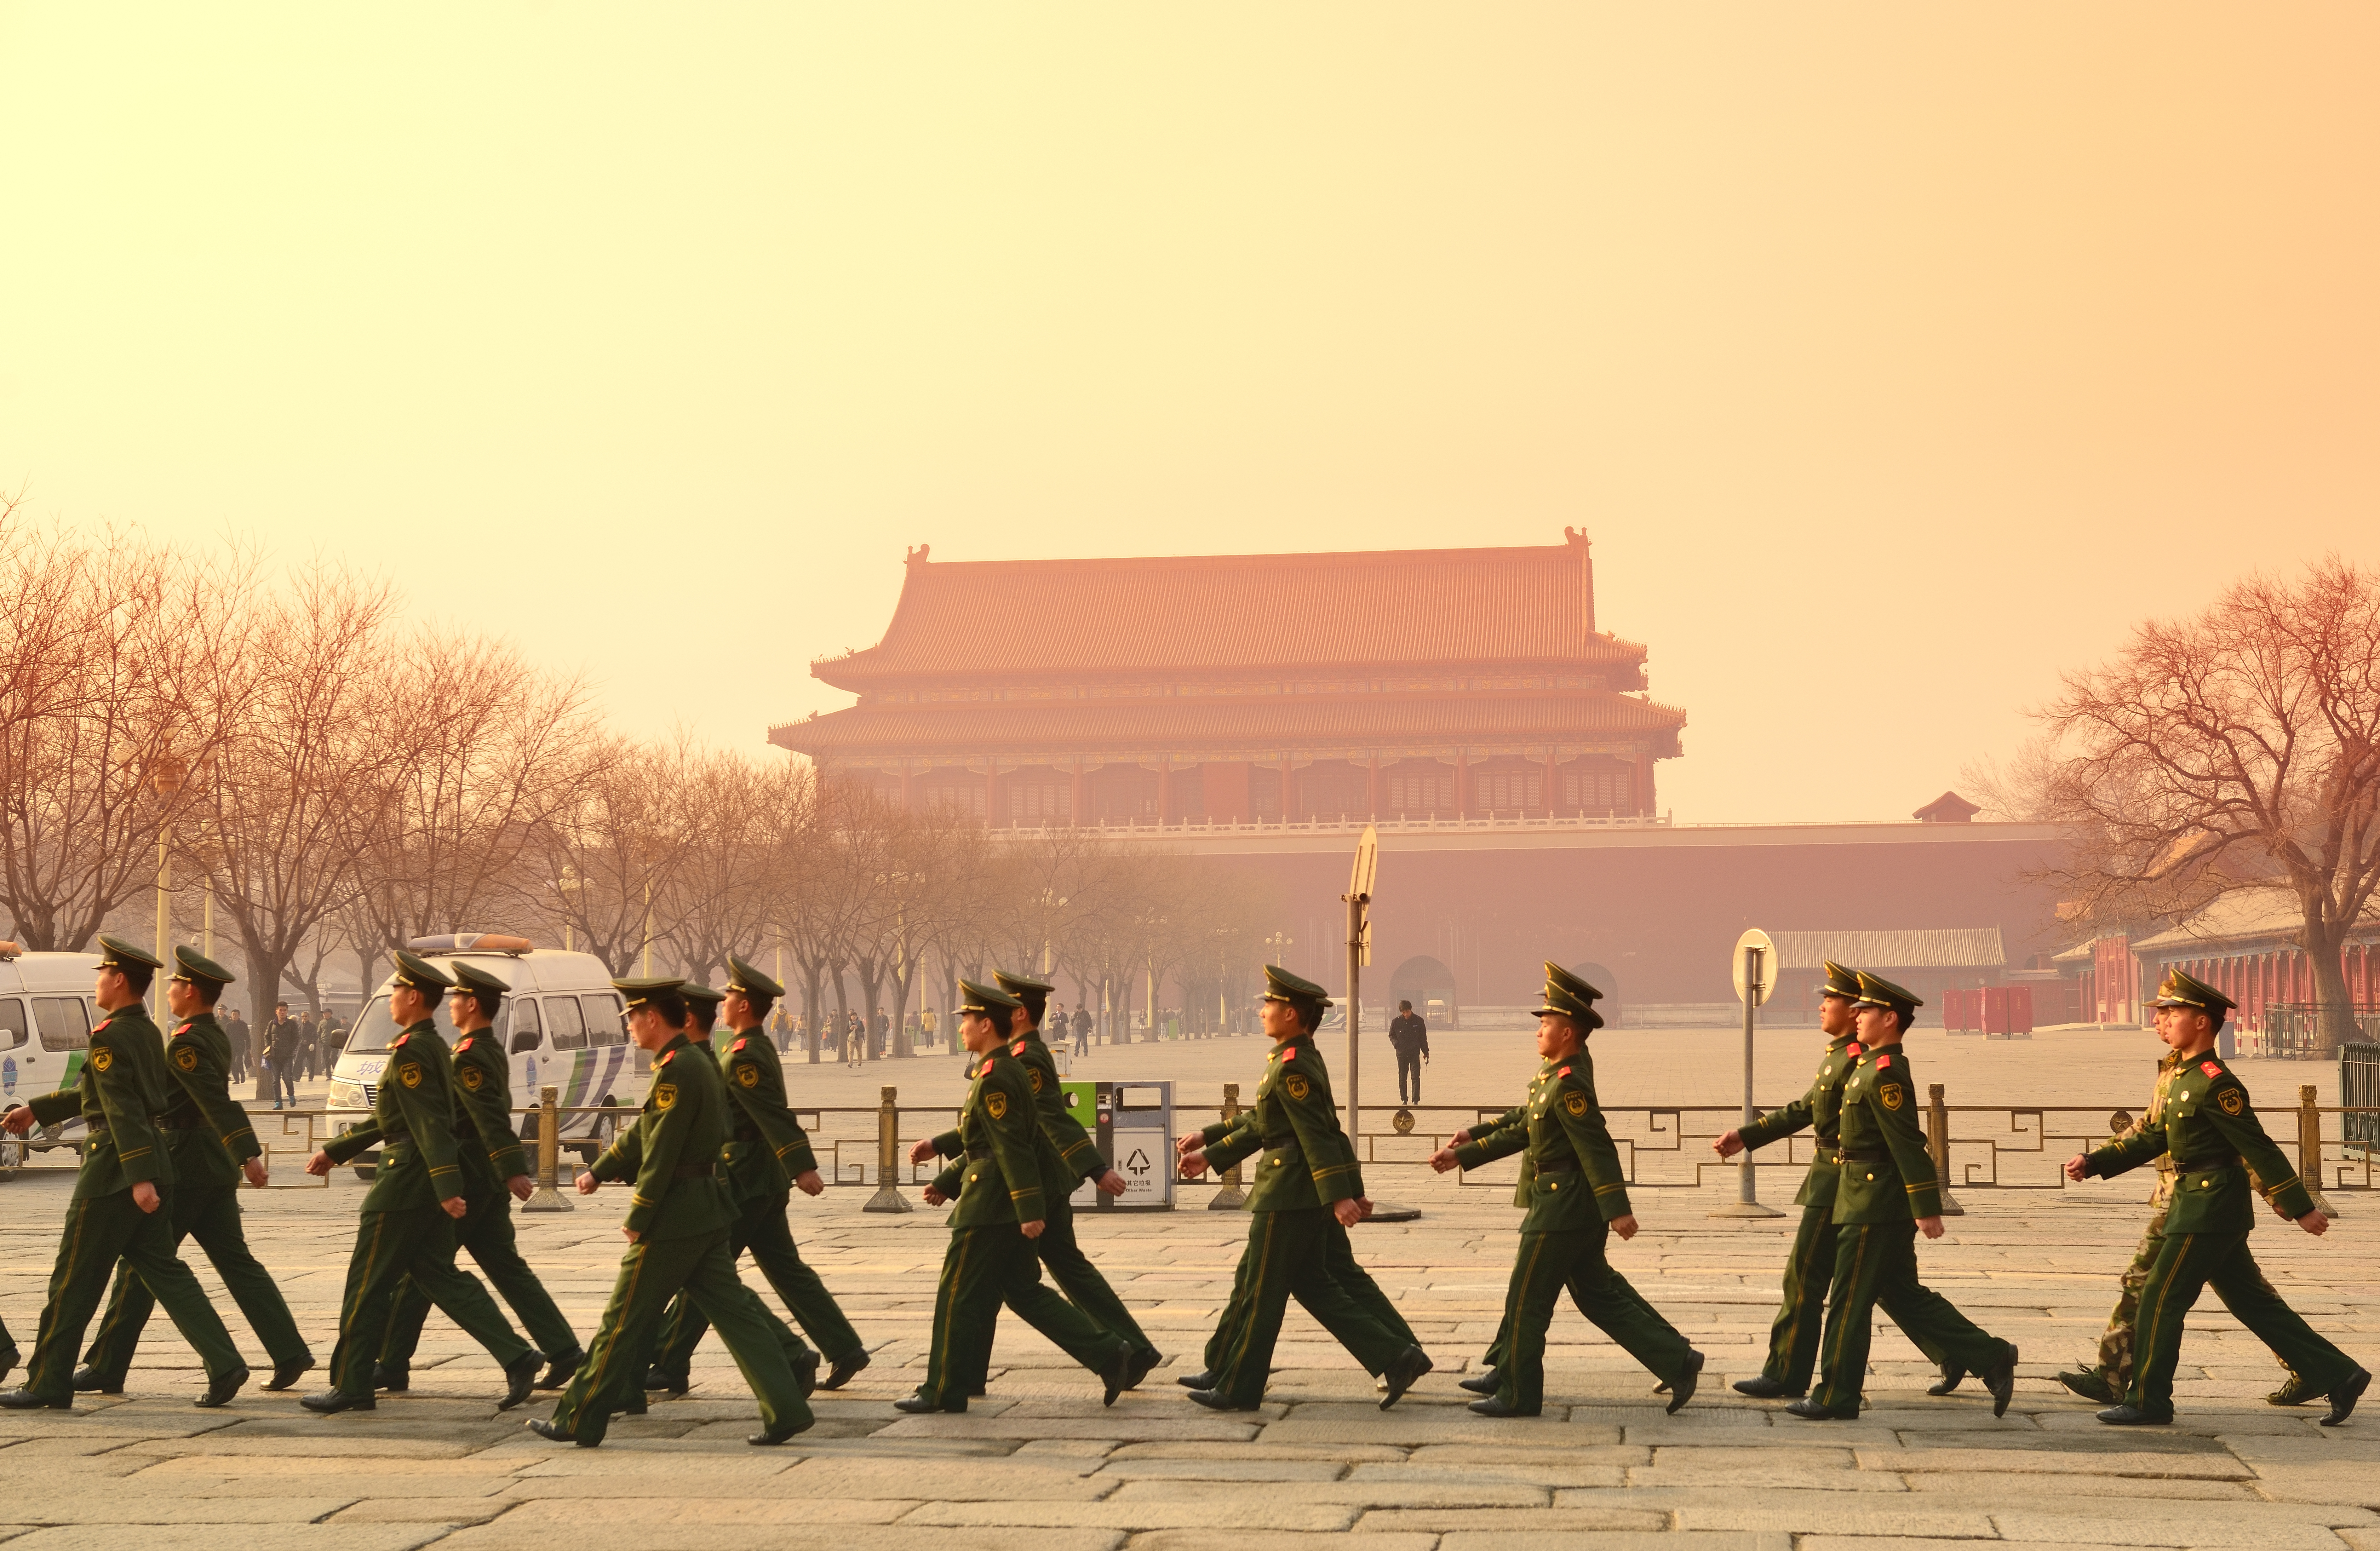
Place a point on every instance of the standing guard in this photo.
(996, 1180)
(123, 1196)
(213, 1146)
(1307, 1193)
(768, 1158)
(1576, 1197)
(495, 1173)
(2210, 1129)
(407, 1229)
(1810, 1265)
(679, 1214)
(1887, 1197)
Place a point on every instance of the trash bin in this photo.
(1133, 1124)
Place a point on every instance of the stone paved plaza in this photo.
(1039, 1464)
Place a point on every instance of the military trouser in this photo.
(1605, 1298)
(1289, 1254)
(1876, 1263)
(1077, 1278)
(1802, 1317)
(2186, 1263)
(8, 1349)
(1574, 1258)
(983, 1268)
(2118, 1346)
(761, 1229)
(650, 1273)
(211, 1215)
(100, 1232)
(486, 1231)
(415, 1242)
(1346, 1304)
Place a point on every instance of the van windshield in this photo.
(375, 1028)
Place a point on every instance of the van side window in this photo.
(562, 1017)
(606, 1025)
(526, 1030)
(12, 1023)
(64, 1022)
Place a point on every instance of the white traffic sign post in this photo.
(1359, 953)
(1756, 976)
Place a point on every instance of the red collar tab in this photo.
(1287, 1052)
(464, 1046)
(184, 1029)
(667, 1057)
(737, 1046)
(1563, 1073)
(2210, 1069)
(1882, 1062)
(1019, 1048)
(391, 1044)
(1854, 1048)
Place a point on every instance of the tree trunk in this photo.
(843, 1011)
(2334, 1006)
(811, 996)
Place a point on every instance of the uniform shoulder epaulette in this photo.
(737, 1046)
(1018, 1049)
(184, 1029)
(2210, 1068)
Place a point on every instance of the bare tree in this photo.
(2239, 749)
(594, 867)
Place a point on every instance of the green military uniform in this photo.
(2210, 1131)
(767, 1150)
(403, 1231)
(489, 1154)
(1308, 1165)
(122, 1089)
(7, 1350)
(208, 1137)
(680, 1211)
(1810, 1265)
(1572, 1188)
(1888, 1184)
(996, 1183)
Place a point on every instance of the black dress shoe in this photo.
(332, 1401)
(560, 1367)
(1116, 1376)
(1202, 1379)
(1404, 1369)
(286, 1374)
(918, 1405)
(395, 1378)
(1953, 1375)
(1484, 1382)
(771, 1438)
(658, 1377)
(805, 1367)
(1215, 1399)
(520, 1376)
(638, 1405)
(1811, 1411)
(2002, 1380)
(2343, 1397)
(840, 1373)
(1681, 1389)
(25, 1399)
(1494, 1406)
(2092, 1385)
(1144, 1360)
(87, 1380)
(552, 1431)
(1760, 1386)
(2132, 1416)
(220, 1390)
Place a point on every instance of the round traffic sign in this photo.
(1756, 967)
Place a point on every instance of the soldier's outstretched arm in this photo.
(1892, 1099)
(2235, 1120)
(1330, 1156)
(1590, 1136)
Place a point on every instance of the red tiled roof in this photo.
(1195, 726)
(1380, 610)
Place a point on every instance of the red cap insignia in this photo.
(1563, 1073)
(1883, 1061)
(2210, 1069)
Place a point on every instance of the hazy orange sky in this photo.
(1895, 356)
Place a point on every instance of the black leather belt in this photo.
(692, 1171)
(2228, 1160)
(1559, 1166)
(1843, 1157)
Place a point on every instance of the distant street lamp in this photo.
(1278, 942)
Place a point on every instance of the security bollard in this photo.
(548, 1196)
(1229, 1197)
(2310, 1148)
(888, 1197)
(1937, 1142)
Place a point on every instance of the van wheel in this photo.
(12, 1155)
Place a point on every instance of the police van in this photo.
(46, 1013)
(563, 1026)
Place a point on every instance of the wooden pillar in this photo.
(1164, 789)
(1644, 781)
(1553, 777)
(1075, 799)
(1372, 787)
(991, 793)
(1462, 783)
(1288, 789)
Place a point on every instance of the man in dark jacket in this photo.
(281, 1050)
(1409, 1036)
(234, 1029)
(1082, 1030)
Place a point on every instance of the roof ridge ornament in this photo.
(917, 556)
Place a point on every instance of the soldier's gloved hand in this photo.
(2076, 1166)
(809, 1182)
(255, 1170)
(454, 1206)
(1111, 1183)
(1443, 1159)
(1729, 1144)
(1348, 1213)
(1031, 1230)
(587, 1183)
(522, 1187)
(320, 1164)
(1930, 1227)
(2315, 1223)
(1624, 1225)
(923, 1152)
(144, 1195)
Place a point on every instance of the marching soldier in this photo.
(1306, 1195)
(122, 1205)
(495, 1173)
(407, 1229)
(1810, 1266)
(768, 1157)
(996, 1180)
(678, 1224)
(211, 1146)
(1889, 1195)
(1576, 1196)
(2210, 1130)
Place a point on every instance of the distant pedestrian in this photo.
(1409, 1036)
(309, 1046)
(281, 1047)
(234, 1029)
(1082, 1031)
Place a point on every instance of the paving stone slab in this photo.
(1170, 1514)
(254, 1538)
(646, 1535)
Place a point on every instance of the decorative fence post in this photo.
(1938, 1142)
(888, 1197)
(549, 1196)
(1229, 1197)
(2309, 1149)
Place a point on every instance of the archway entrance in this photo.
(1430, 986)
